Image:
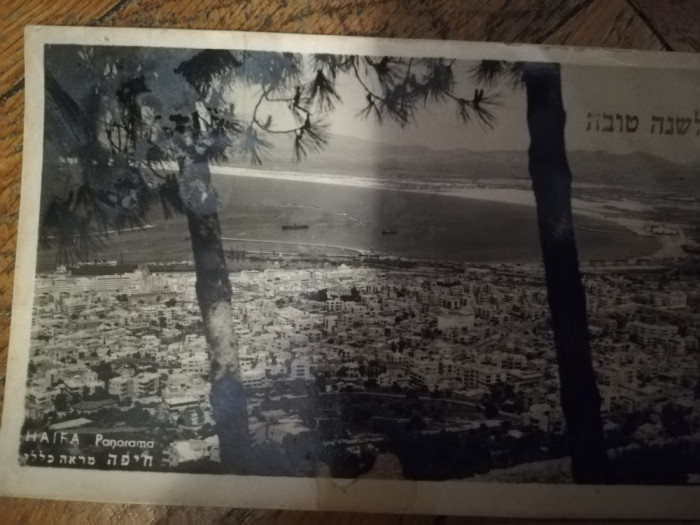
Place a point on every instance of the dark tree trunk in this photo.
(228, 398)
(551, 181)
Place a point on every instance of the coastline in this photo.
(497, 225)
(465, 190)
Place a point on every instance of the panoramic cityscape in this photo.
(397, 367)
(232, 278)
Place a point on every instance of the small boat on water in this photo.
(295, 226)
(388, 232)
(691, 248)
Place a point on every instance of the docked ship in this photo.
(295, 226)
(100, 267)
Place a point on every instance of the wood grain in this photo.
(638, 24)
(676, 24)
(610, 24)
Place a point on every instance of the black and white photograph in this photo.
(356, 264)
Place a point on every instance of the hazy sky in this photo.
(599, 90)
(623, 90)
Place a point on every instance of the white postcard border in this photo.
(453, 497)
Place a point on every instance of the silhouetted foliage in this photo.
(134, 113)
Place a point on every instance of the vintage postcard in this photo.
(346, 273)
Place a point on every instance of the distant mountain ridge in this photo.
(352, 156)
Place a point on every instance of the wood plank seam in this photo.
(16, 88)
(121, 4)
(647, 21)
(574, 13)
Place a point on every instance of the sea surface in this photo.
(427, 226)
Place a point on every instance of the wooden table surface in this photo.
(672, 25)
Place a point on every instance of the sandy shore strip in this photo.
(603, 210)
